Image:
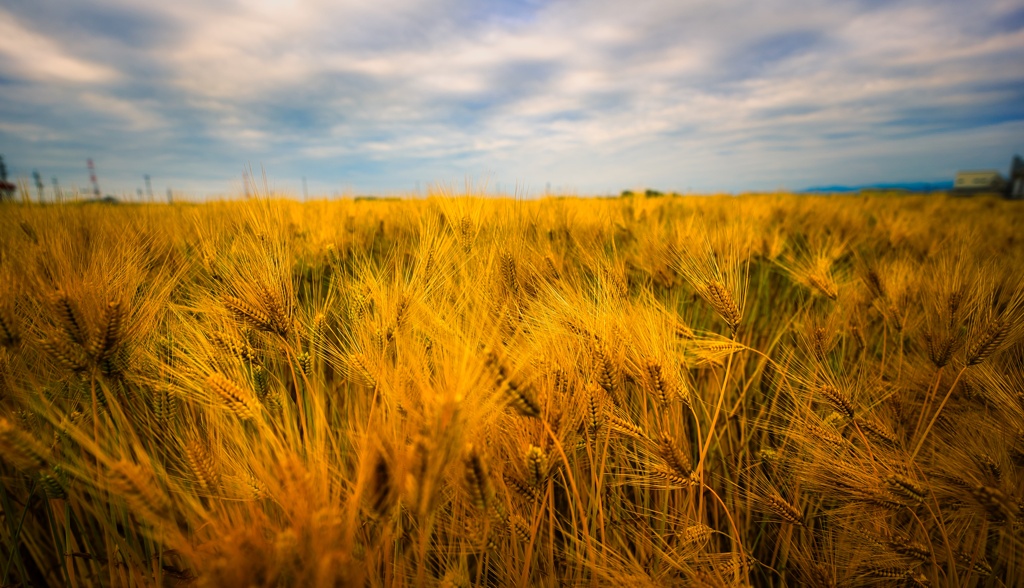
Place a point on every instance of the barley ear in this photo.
(69, 357)
(508, 273)
(70, 319)
(721, 299)
(987, 342)
(523, 399)
(200, 460)
(9, 335)
(595, 412)
(20, 449)
(657, 384)
(824, 284)
(381, 489)
(136, 485)
(837, 399)
(673, 455)
(607, 375)
(233, 397)
(477, 478)
(784, 509)
(110, 333)
(466, 234)
(536, 465)
(249, 314)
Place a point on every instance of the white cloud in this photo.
(31, 55)
(133, 113)
(597, 94)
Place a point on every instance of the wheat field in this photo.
(771, 390)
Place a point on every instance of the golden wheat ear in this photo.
(381, 489)
(606, 373)
(509, 274)
(823, 282)
(10, 335)
(245, 313)
(784, 509)
(837, 399)
(70, 319)
(137, 486)
(722, 300)
(467, 233)
(203, 466)
(594, 408)
(673, 455)
(20, 449)
(477, 478)
(233, 397)
(988, 341)
(523, 399)
(69, 356)
(109, 336)
(536, 461)
(277, 310)
(696, 536)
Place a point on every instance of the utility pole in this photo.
(92, 178)
(57, 196)
(6, 188)
(39, 184)
(149, 188)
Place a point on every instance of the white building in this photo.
(975, 181)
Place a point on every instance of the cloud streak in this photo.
(589, 96)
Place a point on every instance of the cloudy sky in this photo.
(592, 97)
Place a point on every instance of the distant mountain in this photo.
(906, 186)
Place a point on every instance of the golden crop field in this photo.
(771, 390)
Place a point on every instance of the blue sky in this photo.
(587, 97)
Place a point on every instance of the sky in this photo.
(518, 96)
